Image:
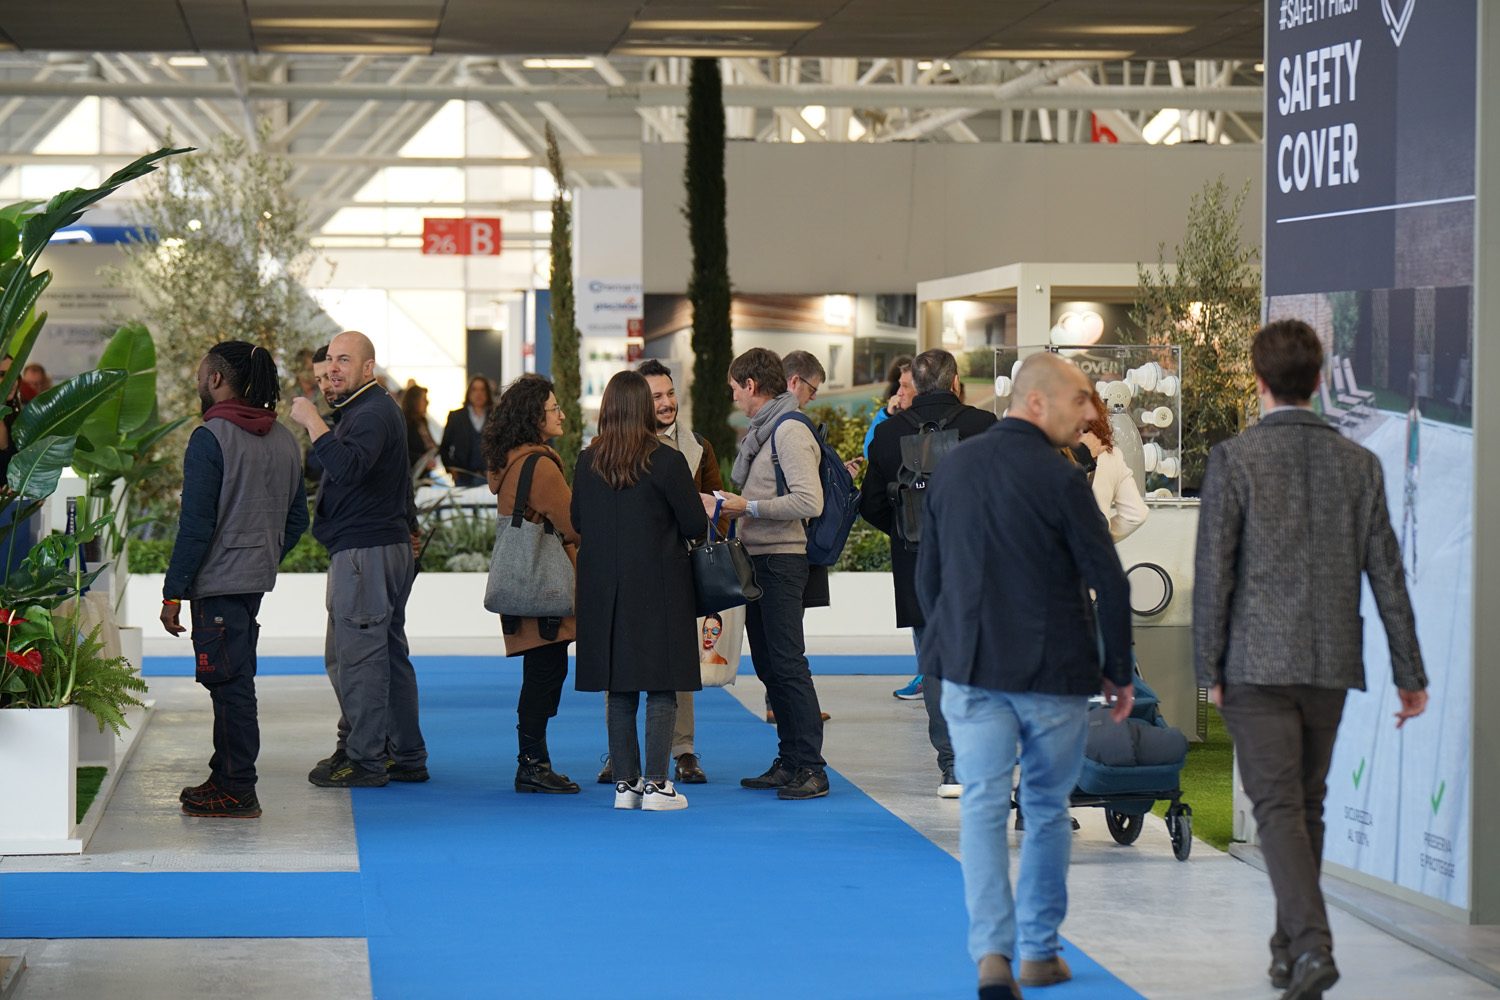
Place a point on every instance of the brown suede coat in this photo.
(551, 499)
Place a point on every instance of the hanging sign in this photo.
(469, 237)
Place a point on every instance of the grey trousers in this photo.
(367, 657)
(1283, 740)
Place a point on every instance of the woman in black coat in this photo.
(635, 508)
(461, 450)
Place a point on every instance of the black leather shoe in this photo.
(323, 768)
(1313, 973)
(534, 775)
(688, 771)
(805, 784)
(607, 772)
(1280, 972)
(776, 775)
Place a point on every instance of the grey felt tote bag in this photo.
(530, 573)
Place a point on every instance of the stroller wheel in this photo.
(1180, 827)
(1124, 827)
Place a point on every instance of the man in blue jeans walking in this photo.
(1011, 543)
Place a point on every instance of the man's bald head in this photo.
(351, 363)
(1054, 394)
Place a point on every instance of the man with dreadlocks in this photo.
(243, 508)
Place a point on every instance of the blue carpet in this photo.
(470, 890)
(835, 665)
(181, 904)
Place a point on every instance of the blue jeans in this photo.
(985, 726)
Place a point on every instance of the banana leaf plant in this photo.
(45, 434)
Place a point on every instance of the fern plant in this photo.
(103, 686)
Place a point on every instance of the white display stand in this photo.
(40, 796)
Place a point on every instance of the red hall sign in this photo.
(461, 237)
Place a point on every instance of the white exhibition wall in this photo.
(867, 218)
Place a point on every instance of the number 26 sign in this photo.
(461, 237)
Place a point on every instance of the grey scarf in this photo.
(760, 432)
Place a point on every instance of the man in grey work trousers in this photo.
(363, 517)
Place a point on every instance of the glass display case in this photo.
(1141, 385)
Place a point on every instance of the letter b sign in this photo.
(461, 237)
(484, 237)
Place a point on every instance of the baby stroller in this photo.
(1116, 779)
(1128, 768)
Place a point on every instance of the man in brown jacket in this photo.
(707, 478)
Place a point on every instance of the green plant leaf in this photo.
(25, 337)
(14, 213)
(18, 306)
(131, 350)
(67, 207)
(35, 469)
(10, 238)
(142, 443)
(64, 408)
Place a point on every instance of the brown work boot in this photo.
(995, 979)
(1047, 972)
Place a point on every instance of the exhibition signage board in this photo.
(1369, 235)
(468, 237)
(607, 306)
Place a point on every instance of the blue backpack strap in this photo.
(781, 487)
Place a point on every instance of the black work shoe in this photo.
(776, 775)
(216, 803)
(1313, 973)
(196, 791)
(1280, 971)
(805, 784)
(607, 772)
(323, 768)
(688, 770)
(349, 775)
(534, 775)
(398, 772)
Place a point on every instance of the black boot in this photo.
(536, 775)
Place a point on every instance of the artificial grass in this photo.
(1208, 784)
(89, 780)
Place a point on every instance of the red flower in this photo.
(10, 618)
(31, 660)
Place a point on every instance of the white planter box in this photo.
(38, 782)
(451, 606)
(131, 637)
(95, 749)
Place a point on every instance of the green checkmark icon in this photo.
(1359, 773)
(1437, 798)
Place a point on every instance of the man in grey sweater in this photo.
(775, 536)
(1294, 516)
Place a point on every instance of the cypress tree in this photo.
(566, 377)
(708, 289)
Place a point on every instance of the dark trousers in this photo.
(773, 625)
(368, 659)
(543, 670)
(932, 699)
(1283, 740)
(225, 633)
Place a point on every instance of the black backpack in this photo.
(920, 454)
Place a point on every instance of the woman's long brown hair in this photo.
(622, 449)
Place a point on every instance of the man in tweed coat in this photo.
(1292, 515)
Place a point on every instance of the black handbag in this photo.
(723, 576)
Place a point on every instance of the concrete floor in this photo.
(1169, 929)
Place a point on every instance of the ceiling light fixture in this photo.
(724, 25)
(187, 62)
(557, 63)
(696, 53)
(1097, 54)
(344, 23)
(1123, 29)
(361, 48)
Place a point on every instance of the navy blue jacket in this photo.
(365, 497)
(1011, 541)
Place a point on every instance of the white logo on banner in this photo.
(1397, 24)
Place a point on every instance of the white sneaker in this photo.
(662, 798)
(949, 788)
(628, 796)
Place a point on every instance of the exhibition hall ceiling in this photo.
(992, 29)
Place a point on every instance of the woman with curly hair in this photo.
(526, 416)
(1114, 486)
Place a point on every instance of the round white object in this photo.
(1167, 385)
(1160, 417)
(1003, 386)
(1169, 466)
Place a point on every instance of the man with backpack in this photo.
(779, 467)
(903, 453)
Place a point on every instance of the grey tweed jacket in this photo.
(1293, 513)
